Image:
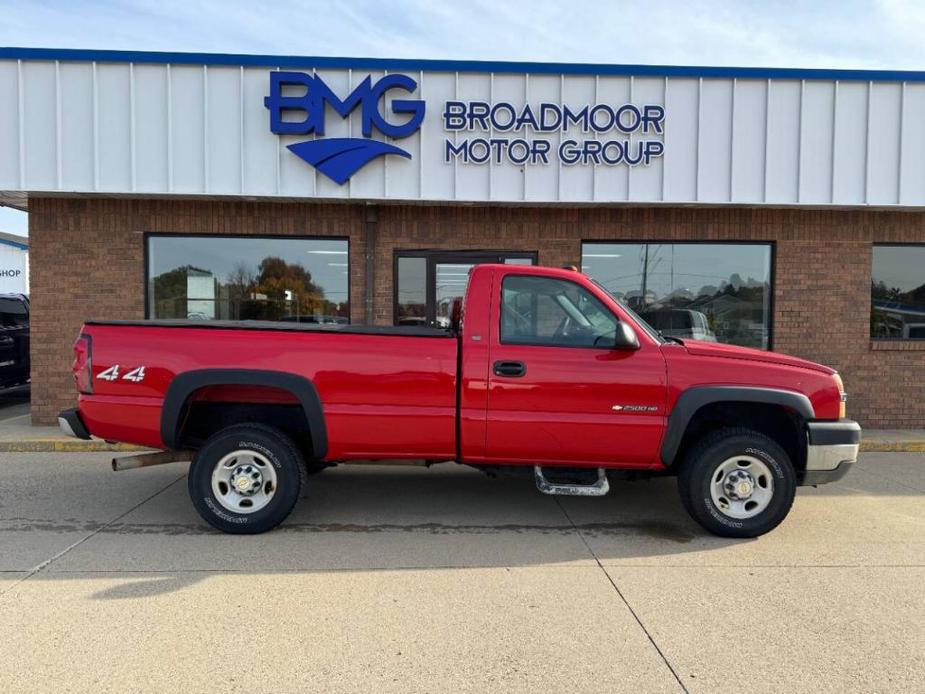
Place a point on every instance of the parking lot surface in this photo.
(443, 580)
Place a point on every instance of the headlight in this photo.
(843, 396)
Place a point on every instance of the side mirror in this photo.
(625, 337)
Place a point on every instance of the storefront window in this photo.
(248, 278)
(897, 293)
(718, 292)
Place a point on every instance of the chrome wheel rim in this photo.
(742, 487)
(244, 481)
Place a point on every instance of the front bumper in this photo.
(831, 451)
(72, 425)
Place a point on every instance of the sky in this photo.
(820, 34)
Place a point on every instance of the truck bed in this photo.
(387, 392)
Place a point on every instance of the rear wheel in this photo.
(246, 479)
(737, 483)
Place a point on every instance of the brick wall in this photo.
(87, 260)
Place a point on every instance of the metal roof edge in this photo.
(329, 62)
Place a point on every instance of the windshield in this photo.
(650, 331)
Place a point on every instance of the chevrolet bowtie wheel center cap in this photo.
(246, 480)
(739, 484)
(742, 486)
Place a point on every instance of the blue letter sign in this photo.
(339, 158)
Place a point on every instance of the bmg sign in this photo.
(339, 158)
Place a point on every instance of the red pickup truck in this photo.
(543, 372)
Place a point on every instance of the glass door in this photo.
(450, 280)
(429, 283)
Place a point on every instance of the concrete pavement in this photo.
(409, 579)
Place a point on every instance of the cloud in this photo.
(849, 34)
(13, 221)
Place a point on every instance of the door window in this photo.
(449, 289)
(554, 313)
(411, 295)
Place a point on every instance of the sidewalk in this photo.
(893, 440)
(17, 435)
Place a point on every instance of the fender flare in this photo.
(185, 384)
(693, 399)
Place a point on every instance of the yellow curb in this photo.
(57, 446)
(912, 446)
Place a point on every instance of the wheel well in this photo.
(779, 423)
(201, 418)
(200, 402)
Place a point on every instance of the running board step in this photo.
(599, 488)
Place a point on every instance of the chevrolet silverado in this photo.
(542, 372)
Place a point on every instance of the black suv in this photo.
(14, 340)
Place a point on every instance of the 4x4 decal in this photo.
(136, 375)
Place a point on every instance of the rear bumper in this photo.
(831, 451)
(71, 424)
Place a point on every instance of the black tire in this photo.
(702, 463)
(270, 443)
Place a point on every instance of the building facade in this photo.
(776, 209)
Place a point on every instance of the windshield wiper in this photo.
(671, 338)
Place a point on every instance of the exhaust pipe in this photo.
(130, 462)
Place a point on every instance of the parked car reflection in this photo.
(679, 322)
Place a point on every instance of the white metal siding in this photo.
(106, 127)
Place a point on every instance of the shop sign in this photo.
(598, 134)
(504, 134)
(339, 158)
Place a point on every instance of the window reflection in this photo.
(897, 293)
(716, 292)
(248, 278)
(411, 308)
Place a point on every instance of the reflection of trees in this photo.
(892, 309)
(276, 277)
(735, 309)
(879, 290)
(276, 290)
(240, 281)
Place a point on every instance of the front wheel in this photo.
(737, 483)
(246, 479)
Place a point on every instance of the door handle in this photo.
(510, 368)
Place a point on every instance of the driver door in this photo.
(555, 380)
